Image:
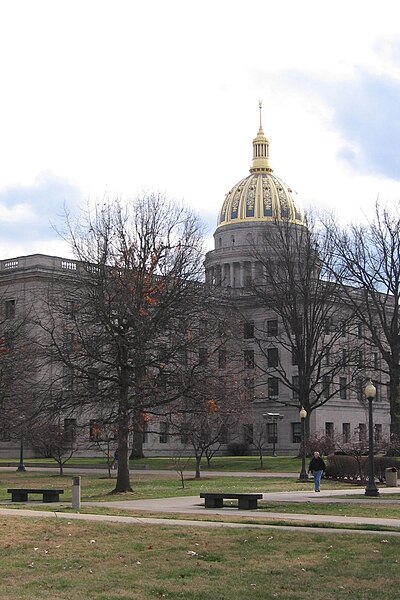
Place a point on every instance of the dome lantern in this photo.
(260, 150)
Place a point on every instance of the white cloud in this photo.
(129, 95)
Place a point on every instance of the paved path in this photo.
(192, 505)
(35, 514)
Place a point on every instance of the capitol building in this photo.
(252, 212)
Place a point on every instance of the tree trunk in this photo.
(137, 436)
(123, 478)
(394, 385)
(198, 460)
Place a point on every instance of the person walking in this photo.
(317, 467)
(115, 461)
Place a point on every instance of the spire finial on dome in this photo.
(260, 149)
(260, 107)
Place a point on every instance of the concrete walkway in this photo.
(193, 505)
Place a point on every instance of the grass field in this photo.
(71, 560)
(276, 464)
(97, 487)
(78, 560)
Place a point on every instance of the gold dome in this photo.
(261, 196)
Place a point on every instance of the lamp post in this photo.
(21, 466)
(273, 418)
(370, 394)
(303, 414)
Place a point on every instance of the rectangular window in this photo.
(222, 358)
(248, 356)
(296, 433)
(67, 378)
(164, 432)
(378, 433)
(249, 389)
(346, 432)
(375, 357)
(295, 360)
(9, 306)
(145, 432)
(360, 360)
(344, 357)
(68, 342)
(273, 357)
(327, 325)
(295, 384)
(70, 309)
(327, 357)
(70, 430)
(223, 436)
(362, 432)
(343, 328)
(248, 330)
(272, 432)
(203, 356)
(359, 330)
(182, 357)
(95, 430)
(272, 327)
(248, 433)
(5, 435)
(184, 436)
(343, 387)
(360, 389)
(326, 386)
(329, 429)
(273, 387)
(203, 328)
(93, 381)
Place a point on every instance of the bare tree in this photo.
(104, 438)
(118, 333)
(308, 316)
(50, 438)
(367, 267)
(214, 406)
(19, 377)
(260, 440)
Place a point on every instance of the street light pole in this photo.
(371, 489)
(303, 414)
(21, 466)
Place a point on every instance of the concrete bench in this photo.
(21, 494)
(216, 500)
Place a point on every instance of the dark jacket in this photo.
(316, 464)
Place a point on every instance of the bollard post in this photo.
(76, 492)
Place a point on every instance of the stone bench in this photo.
(21, 494)
(216, 500)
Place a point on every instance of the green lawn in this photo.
(96, 487)
(57, 559)
(284, 464)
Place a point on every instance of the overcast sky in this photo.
(113, 98)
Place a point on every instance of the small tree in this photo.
(259, 441)
(104, 436)
(51, 440)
